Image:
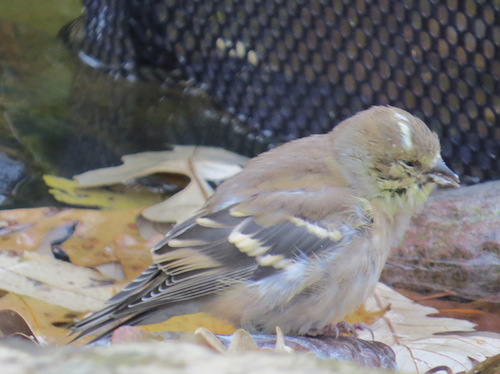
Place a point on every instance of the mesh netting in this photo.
(290, 68)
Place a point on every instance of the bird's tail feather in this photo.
(118, 313)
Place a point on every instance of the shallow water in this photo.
(34, 82)
(58, 116)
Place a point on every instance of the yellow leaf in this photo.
(361, 315)
(191, 322)
(99, 236)
(106, 236)
(68, 191)
(25, 229)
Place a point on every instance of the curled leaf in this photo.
(12, 324)
(199, 164)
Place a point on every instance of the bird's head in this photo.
(386, 152)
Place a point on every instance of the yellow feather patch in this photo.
(234, 213)
(276, 261)
(258, 251)
(320, 232)
(246, 243)
(207, 222)
(414, 196)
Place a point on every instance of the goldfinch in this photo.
(298, 238)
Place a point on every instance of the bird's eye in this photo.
(409, 163)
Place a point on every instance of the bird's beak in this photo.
(442, 175)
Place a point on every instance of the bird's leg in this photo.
(330, 330)
(334, 330)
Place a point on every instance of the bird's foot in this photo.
(334, 330)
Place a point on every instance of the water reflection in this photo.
(61, 117)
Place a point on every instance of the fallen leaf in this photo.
(12, 324)
(60, 283)
(484, 313)
(97, 237)
(200, 164)
(68, 191)
(412, 334)
(48, 321)
(108, 236)
(208, 338)
(25, 229)
(180, 206)
(191, 322)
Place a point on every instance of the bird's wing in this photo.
(212, 251)
(245, 241)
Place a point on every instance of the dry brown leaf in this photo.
(106, 236)
(24, 229)
(47, 321)
(12, 324)
(484, 313)
(410, 332)
(89, 237)
(200, 164)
